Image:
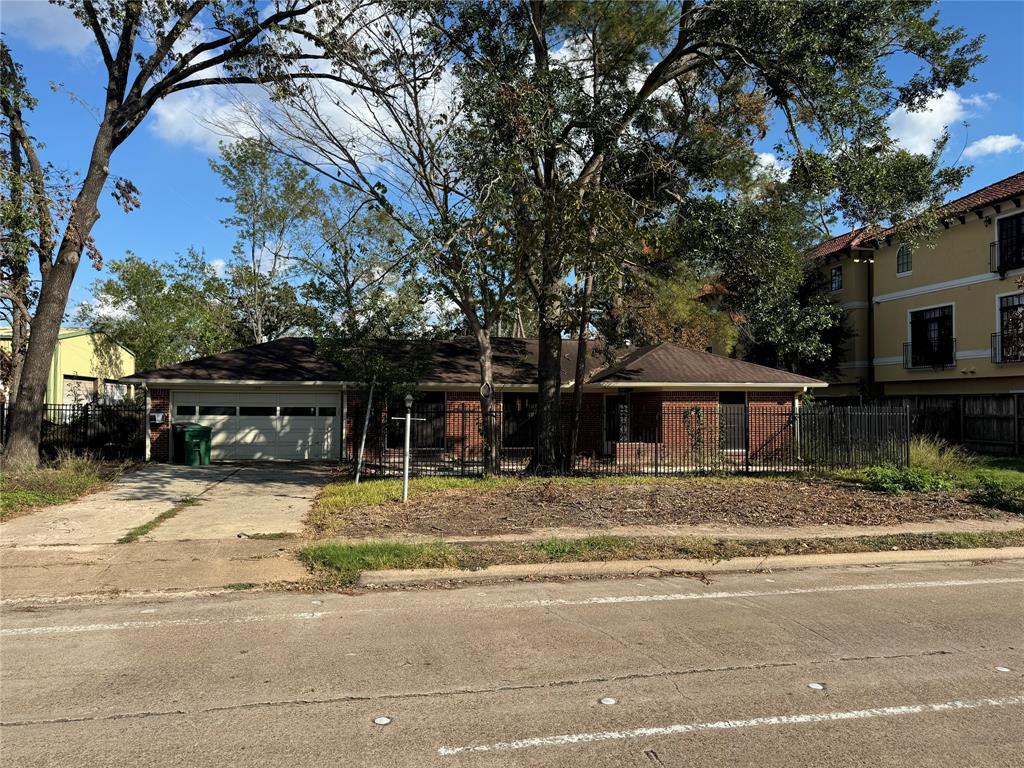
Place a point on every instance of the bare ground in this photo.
(770, 502)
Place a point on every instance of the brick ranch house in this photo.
(281, 400)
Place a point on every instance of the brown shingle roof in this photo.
(453, 362)
(1005, 189)
(669, 364)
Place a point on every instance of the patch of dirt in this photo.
(522, 507)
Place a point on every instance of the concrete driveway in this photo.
(228, 499)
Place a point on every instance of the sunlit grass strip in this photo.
(341, 563)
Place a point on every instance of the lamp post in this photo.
(405, 464)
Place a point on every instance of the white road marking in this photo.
(68, 629)
(725, 725)
(613, 599)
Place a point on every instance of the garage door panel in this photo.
(269, 425)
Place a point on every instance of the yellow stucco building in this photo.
(944, 318)
(86, 366)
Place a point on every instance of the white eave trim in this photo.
(232, 382)
(706, 385)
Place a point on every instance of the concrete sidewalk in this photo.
(54, 572)
(1009, 523)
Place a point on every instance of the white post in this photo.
(405, 464)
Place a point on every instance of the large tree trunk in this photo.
(22, 447)
(581, 371)
(547, 454)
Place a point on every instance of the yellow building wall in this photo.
(953, 269)
(853, 297)
(87, 355)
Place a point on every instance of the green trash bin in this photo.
(192, 444)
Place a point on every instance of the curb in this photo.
(612, 568)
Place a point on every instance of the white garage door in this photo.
(296, 426)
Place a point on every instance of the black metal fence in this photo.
(448, 440)
(104, 431)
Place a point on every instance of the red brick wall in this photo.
(464, 426)
(689, 426)
(160, 434)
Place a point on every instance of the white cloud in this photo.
(918, 131)
(44, 26)
(219, 266)
(994, 145)
(190, 117)
(771, 165)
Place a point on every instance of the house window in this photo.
(328, 410)
(298, 410)
(185, 410)
(217, 410)
(1010, 346)
(257, 410)
(1010, 234)
(79, 390)
(904, 260)
(427, 429)
(837, 279)
(931, 338)
(518, 419)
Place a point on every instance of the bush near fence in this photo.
(446, 440)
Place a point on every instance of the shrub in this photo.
(1002, 493)
(937, 455)
(899, 479)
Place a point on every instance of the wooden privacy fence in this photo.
(990, 423)
(449, 440)
(104, 431)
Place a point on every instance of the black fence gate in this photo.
(104, 431)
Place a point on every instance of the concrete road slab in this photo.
(915, 665)
(255, 499)
(59, 572)
(103, 517)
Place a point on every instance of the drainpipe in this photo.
(871, 328)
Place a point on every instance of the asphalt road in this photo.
(908, 664)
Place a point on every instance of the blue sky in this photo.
(167, 157)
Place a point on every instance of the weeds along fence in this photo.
(104, 431)
(449, 440)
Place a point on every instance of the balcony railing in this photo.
(1006, 254)
(1008, 348)
(941, 354)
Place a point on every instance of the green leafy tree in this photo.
(587, 97)
(149, 50)
(274, 199)
(163, 313)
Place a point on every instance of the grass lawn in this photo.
(335, 564)
(63, 480)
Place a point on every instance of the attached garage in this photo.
(266, 425)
